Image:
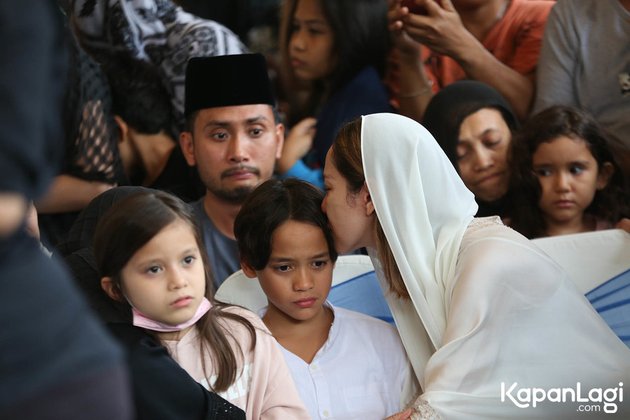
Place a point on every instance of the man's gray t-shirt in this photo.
(585, 62)
(222, 251)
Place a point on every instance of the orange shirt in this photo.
(515, 41)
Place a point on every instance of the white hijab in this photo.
(422, 205)
(487, 306)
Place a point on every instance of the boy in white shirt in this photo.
(346, 365)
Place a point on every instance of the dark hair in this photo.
(271, 204)
(138, 94)
(610, 203)
(348, 160)
(126, 227)
(360, 35)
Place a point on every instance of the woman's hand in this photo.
(406, 414)
(623, 224)
(297, 144)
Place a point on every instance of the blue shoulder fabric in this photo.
(362, 294)
(612, 301)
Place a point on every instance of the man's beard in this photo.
(233, 196)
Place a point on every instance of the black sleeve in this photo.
(162, 389)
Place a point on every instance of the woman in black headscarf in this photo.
(473, 124)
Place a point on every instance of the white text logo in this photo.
(526, 397)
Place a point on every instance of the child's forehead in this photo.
(292, 229)
(563, 149)
(297, 238)
(177, 234)
(564, 141)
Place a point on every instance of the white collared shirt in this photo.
(361, 372)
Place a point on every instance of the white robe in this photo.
(488, 309)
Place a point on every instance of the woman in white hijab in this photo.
(494, 328)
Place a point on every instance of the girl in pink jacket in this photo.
(151, 258)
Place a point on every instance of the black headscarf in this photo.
(450, 107)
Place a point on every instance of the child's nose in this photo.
(562, 181)
(302, 281)
(297, 40)
(177, 280)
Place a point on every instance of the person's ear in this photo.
(123, 128)
(111, 289)
(248, 270)
(366, 200)
(280, 139)
(604, 175)
(188, 147)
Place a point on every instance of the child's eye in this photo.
(189, 260)
(154, 269)
(542, 172)
(320, 263)
(283, 268)
(576, 169)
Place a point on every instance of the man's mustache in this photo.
(240, 168)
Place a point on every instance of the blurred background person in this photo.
(474, 125)
(55, 358)
(584, 63)
(441, 41)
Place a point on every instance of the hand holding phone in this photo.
(413, 7)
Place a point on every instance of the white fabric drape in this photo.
(487, 306)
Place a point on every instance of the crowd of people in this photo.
(150, 152)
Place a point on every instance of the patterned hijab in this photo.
(159, 32)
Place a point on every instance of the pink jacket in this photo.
(264, 387)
